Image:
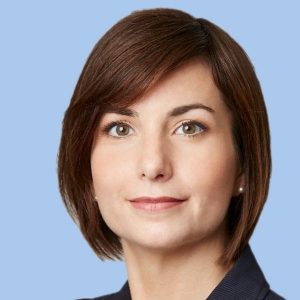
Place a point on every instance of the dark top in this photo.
(244, 281)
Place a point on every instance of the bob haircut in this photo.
(126, 62)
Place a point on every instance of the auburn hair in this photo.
(126, 62)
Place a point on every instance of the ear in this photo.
(239, 185)
(92, 189)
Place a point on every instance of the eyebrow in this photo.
(185, 108)
(173, 113)
(124, 112)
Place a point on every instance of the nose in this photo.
(155, 160)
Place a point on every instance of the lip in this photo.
(150, 204)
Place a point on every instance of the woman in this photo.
(165, 158)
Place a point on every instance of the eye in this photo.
(190, 128)
(118, 129)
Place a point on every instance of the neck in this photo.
(190, 272)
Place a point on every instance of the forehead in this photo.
(191, 83)
(189, 88)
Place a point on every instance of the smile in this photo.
(149, 204)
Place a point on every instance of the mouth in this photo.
(149, 204)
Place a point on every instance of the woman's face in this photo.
(165, 168)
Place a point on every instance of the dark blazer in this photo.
(244, 281)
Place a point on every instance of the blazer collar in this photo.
(244, 280)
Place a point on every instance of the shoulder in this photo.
(273, 296)
(105, 297)
(244, 281)
(123, 294)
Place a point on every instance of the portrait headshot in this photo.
(153, 153)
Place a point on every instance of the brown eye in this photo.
(119, 130)
(122, 129)
(190, 128)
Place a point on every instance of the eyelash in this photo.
(107, 128)
(202, 127)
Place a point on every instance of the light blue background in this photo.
(44, 45)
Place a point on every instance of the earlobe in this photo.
(93, 192)
(241, 190)
(239, 187)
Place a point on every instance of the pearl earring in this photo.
(96, 198)
(241, 190)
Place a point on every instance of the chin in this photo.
(168, 240)
(156, 241)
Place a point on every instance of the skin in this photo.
(169, 252)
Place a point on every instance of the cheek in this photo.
(108, 180)
(211, 171)
(109, 170)
(211, 182)
(220, 172)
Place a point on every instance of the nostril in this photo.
(155, 177)
(160, 175)
(154, 169)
